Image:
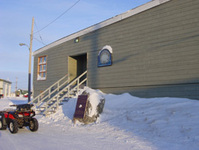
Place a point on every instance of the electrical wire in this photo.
(41, 40)
(59, 16)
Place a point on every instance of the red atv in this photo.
(22, 116)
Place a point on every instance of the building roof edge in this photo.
(6, 81)
(102, 24)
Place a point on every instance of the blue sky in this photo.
(15, 27)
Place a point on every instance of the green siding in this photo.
(155, 53)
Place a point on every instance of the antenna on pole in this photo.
(16, 85)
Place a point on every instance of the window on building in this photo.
(42, 63)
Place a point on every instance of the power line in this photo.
(58, 16)
(41, 40)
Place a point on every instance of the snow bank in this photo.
(167, 120)
(127, 122)
(66, 111)
(95, 97)
(64, 114)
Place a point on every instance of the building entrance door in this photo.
(77, 65)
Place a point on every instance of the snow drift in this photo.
(127, 122)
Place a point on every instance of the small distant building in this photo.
(5, 88)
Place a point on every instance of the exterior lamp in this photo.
(76, 40)
(29, 72)
(22, 44)
(30, 57)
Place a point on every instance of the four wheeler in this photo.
(18, 118)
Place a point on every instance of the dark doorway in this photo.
(77, 65)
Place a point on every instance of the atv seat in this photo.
(24, 107)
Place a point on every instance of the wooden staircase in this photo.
(48, 101)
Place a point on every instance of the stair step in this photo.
(53, 100)
(54, 107)
(50, 111)
(39, 112)
(50, 104)
(72, 94)
(42, 107)
(65, 100)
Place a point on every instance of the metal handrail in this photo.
(69, 90)
(49, 91)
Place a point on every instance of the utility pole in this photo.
(30, 60)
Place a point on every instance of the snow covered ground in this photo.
(127, 123)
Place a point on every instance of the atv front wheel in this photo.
(13, 126)
(2, 122)
(33, 126)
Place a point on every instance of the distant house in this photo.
(5, 88)
(149, 51)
